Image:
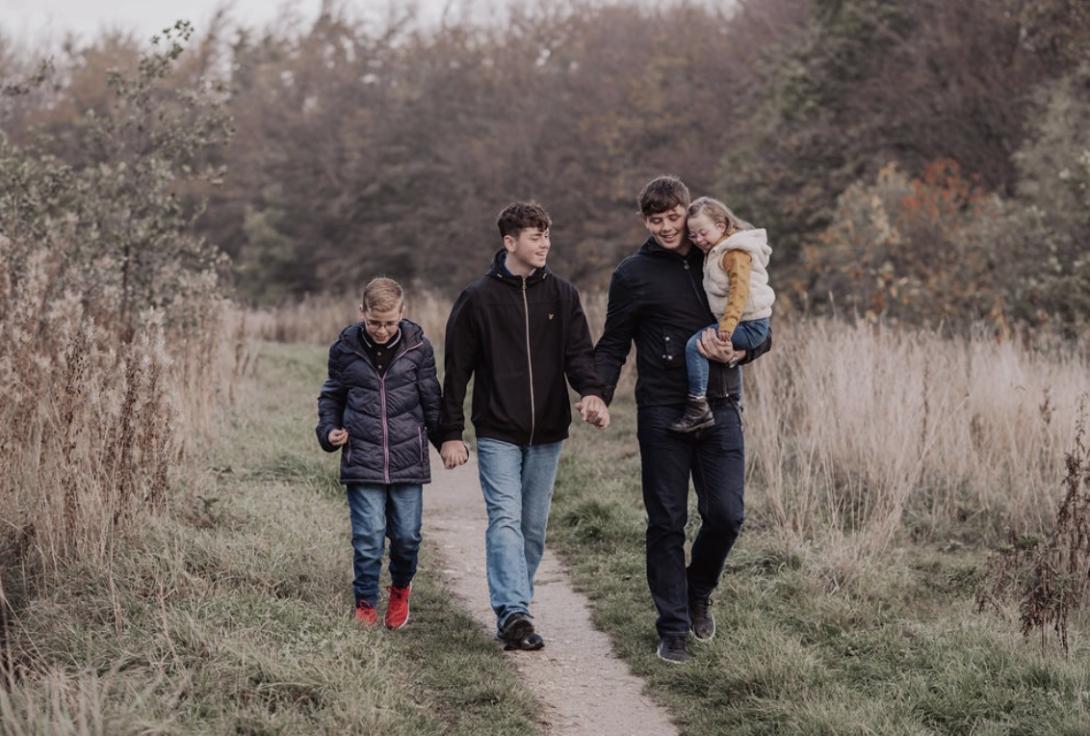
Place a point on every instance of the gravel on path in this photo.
(583, 687)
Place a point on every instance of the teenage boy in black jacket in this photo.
(656, 298)
(520, 330)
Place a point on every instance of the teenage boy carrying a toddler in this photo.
(379, 406)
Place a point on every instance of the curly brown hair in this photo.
(518, 216)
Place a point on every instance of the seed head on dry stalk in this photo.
(1049, 574)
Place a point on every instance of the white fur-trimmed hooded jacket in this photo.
(717, 284)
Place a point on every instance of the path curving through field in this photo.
(583, 687)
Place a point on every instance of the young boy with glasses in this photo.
(379, 405)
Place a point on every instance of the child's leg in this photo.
(404, 507)
(697, 414)
(750, 334)
(697, 366)
(367, 509)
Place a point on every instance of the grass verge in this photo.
(231, 613)
(811, 639)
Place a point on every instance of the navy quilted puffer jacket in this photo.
(389, 418)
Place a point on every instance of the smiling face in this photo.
(527, 251)
(704, 232)
(668, 229)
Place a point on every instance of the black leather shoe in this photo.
(698, 415)
(531, 643)
(516, 628)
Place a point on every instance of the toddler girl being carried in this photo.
(736, 282)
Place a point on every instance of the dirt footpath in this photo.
(583, 687)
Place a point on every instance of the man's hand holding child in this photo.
(338, 437)
(594, 411)
(454, 453)
(714, 347)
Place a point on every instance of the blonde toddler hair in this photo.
(719, 213)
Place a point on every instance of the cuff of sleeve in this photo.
(323, 433)
(449, 435)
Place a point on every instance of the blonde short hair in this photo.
(719, 213)
(382, 295)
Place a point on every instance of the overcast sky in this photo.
(51, 19)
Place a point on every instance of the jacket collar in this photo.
(499, 271)
(409, 334)
(391, 344)
(651, 247)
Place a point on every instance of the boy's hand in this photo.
(337, 437)
(603, 418)
(454, 453)
(594, 411)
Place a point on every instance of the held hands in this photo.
(594, 411)
(337, 437)
(454, 453)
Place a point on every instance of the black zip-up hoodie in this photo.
(520, 337)
(656, 297)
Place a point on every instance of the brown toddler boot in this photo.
(698, 415)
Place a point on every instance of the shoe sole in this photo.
(402, 626)
(671, 661)
(707, 638)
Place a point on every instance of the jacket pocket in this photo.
(420, 441)
(673, 348)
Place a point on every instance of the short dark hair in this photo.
(517, 216)
(663, 193)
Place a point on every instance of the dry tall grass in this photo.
(318, 320)
(861, 433)
(95, 420)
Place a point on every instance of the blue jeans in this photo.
(379, 511)
(715, 460)
(746, 336)
(517, 483)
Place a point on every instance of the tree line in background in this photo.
(920, 160)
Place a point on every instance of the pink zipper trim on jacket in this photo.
(385, 419)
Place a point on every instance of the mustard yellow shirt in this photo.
(736, 264)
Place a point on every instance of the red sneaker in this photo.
(397, 611)
(366, 614)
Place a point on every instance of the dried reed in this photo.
(865, 432)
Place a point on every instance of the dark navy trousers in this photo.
(715, 459)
